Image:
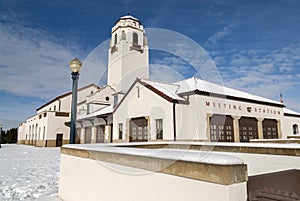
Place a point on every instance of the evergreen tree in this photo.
(11, 136)
(3, 135)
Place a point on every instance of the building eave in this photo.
(291, 115)
(65, 95)
(205, 93)
(148, 86)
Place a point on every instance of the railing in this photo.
(136, 47)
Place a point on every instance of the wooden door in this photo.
(59, 140)
(138, 130)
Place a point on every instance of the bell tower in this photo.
(128, 56)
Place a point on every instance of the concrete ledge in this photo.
(290, 140)
(294, 137)
(198, 165)
(249, 148)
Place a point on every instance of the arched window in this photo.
(29, 130)
(123, 36)
(44, 132)
(116, 39)
(295, 129)
(135, 38)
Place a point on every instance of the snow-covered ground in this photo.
(28, 173)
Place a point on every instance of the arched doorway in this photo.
(221, 128)
(248, 129)
(270, 130)
(138, 130)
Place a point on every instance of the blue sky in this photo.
(254, 44)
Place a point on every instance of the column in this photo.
(127, 133)
(279, 128)
(148, 128)
(236, 128)
(107, 134)
(82, 135)
(260, 128)
(208, 116)
(94, 133)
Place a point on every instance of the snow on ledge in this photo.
(225, 144)
(169, 154)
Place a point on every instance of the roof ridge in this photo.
(195, 80)
(162, 82)
(166, 88)
(66, 94)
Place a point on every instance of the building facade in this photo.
(47, 127)
(133, 108)
(192, 109)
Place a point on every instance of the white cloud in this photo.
(264, 73)
(32, 62)
(94, 67)
(165, 73)
(186, 50)
(8, 124)
(212, 40)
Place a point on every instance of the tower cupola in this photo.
(128, 53)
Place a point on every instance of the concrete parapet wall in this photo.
(90, 173)
(250, 148)
(260, 158)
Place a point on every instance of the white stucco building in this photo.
(192, 109)
(132, 108)
(47, 127)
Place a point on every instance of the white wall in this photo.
(102, 97)
(287, 125)
(192, 119)
(56, 125)
(64, 105)
(267, 163)
(22, 131)
(86, 179)
(53, 124)
(32, 127)
(147, 104)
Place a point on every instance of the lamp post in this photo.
(0, 134)
(75, 66)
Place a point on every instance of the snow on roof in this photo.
(194, 83)
(129, 16)
(165, 88)
(106, 110)
(288, 111)
(171, 154)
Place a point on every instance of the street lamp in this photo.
(1, 126)
(75, 66)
